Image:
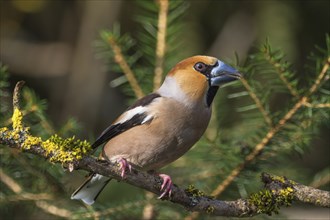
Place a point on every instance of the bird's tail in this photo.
(91, 188)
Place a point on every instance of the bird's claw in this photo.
(123, 165)
(166, 186)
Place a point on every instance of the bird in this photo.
(162, 126)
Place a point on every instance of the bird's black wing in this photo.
(114, 130)
(138, 119)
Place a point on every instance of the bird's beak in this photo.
(223, 73)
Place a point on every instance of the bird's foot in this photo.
(166, 186)
(123, 164)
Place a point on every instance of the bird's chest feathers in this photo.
(183, 126)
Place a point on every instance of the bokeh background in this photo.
(51, 45)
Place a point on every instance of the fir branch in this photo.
(320, 105)
(259, 105)
(161, 42)
(149, 210)
(321, 182)
(121, 61)
(320, 77)
(54, 210)
(270, 134)
(281, 192)
(109, 211)
(21, 195)
(15, 187)
(280, 70)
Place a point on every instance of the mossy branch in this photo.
(278, 191)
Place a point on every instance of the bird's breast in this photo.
(172, 132)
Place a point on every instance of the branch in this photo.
(193, 199)
(272, 132)
(120, 60)
(279, 70)
(259, 105)
(161, 42)
(279, 190)
(38, 199)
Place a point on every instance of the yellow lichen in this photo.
(279, 178)
(17, 119)
(31, 141)
(56, 148)
(210, 210)
(191, 190)
(65, 150)
(270, 201)
(4, 129)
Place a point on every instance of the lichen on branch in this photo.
(55, 148)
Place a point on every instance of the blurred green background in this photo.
(51, 45)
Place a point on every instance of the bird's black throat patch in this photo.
(210, 94)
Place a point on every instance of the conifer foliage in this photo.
(274, 113)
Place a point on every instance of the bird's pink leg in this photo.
(123, 166)
(166, 186)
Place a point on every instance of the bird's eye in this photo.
(200, 67)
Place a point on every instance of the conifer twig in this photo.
(120, 60)
(257, 101)
(109, 211)
(15, 187)
(320, 77)
(280, 72)
(54, 210)
(321, 182)
(320, 105)
(38, 199)
(161, 42)
(270, 134)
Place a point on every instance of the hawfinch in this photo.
(162, 126)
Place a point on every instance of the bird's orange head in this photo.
(197, 79)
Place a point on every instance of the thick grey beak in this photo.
(223, 73)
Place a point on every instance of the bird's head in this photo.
(197, 79)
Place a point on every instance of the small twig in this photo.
(17, 94)
(321, 182)
(161, 42)
(320, 105)
(29, 197)
(259, 105)
(16, 188)
(107, 212)
(280, 72)
(120, 60)
(37, 198)
(320, 77)
(54, 210)
(149, 211)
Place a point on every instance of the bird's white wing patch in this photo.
(131, 113)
